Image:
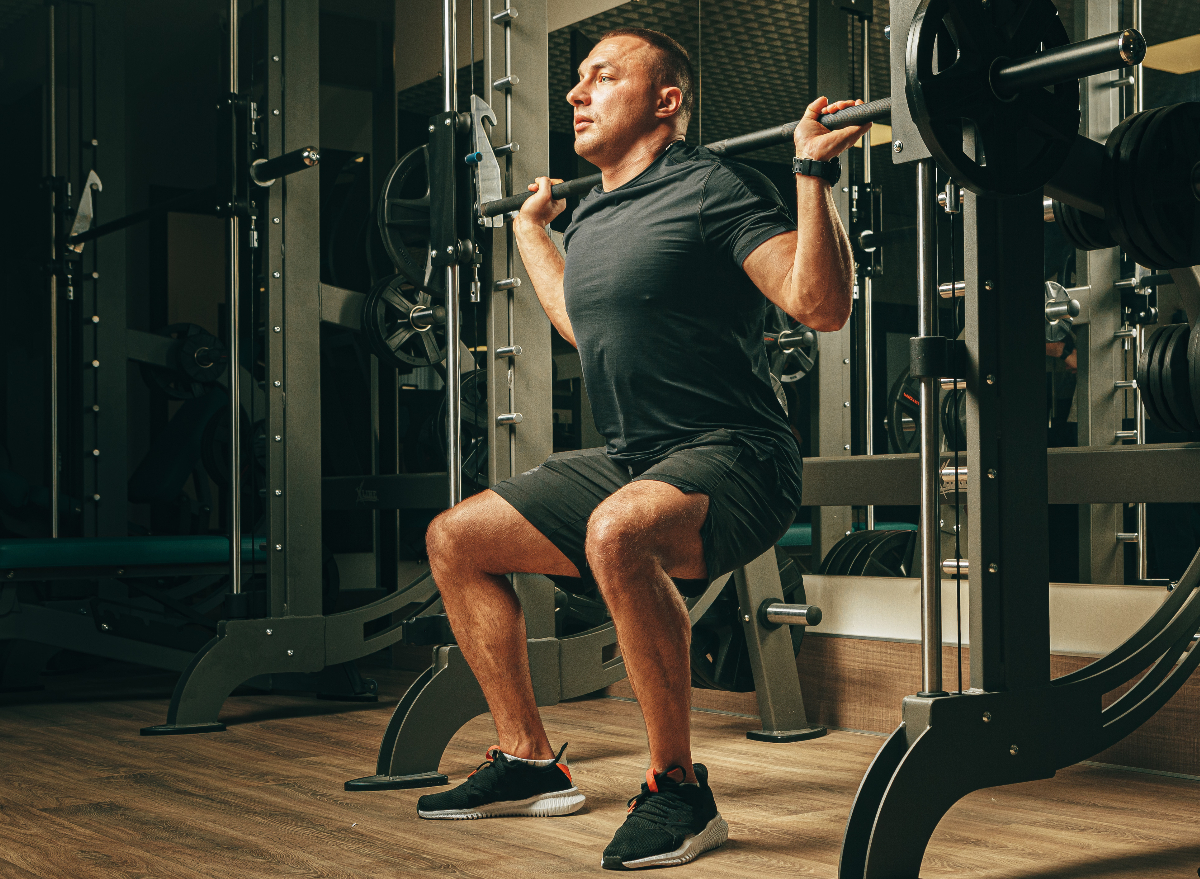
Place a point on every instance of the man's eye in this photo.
(604, 77)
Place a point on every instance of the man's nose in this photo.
(575, 96)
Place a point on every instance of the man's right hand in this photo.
(539, 209)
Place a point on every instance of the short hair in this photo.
(673, 65)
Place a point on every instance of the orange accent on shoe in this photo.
(490, 754)
(566, 772)
(651, 782)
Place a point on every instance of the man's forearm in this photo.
(822, 277)
(544, 264)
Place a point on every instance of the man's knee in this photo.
(447, 535)
(613, 537)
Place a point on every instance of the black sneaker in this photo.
(669, 823)
(501, 787)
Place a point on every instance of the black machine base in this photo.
(396, 782)
(786, 735)
(182, 729)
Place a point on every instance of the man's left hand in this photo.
(815, 141)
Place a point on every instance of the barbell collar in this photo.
(772, 614)
(264, 172)
(1074, 61)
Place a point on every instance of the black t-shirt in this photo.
(668, 324)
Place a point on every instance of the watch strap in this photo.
(830, 172)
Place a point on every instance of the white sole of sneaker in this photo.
(562, 802)
(714, 834)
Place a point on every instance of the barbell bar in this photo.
(1087, 58)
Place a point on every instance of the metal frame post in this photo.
(1007, 490)
(868, 282)
(1099, 404)
(51, 172)
(233, 303)
(829, 74)
(453, 318)
(931, 458)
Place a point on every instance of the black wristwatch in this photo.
(830, 172)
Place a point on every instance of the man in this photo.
(662, 291)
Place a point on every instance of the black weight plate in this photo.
(892, 556)
(390, 333)
(904, 400)
(1120, 177)
(1194, 369)
(1157, 358)
(1026, 138)
(1170, 150)
(1145, 358)
(1175, 380)
(838, 557)
(1110, 177)
(403, 215)
(857, 560)
(1149, 251)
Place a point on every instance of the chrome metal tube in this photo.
(931, 575)
(51, 171)
(867, 292)
(780, 614)
(235, 374)
(453, 318)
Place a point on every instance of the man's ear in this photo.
(670, 102)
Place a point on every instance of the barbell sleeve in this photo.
(1074, 61)
(772, 614)
(264, 172)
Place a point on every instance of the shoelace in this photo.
(643, 803)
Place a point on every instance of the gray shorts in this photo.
(748, 509)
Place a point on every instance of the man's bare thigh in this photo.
(500, 540)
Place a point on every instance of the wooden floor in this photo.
(83, 795)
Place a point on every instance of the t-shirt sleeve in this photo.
(739, 210)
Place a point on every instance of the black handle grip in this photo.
(266, 172)
(579, 186)
(1124, 48)
(875, 111)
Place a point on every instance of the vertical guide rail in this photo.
(51, 171)
(453, 382)
(511, 432)
(930, 531)
(235, 377)
(868, 345)
(1143, 556)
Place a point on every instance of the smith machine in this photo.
(991, 95)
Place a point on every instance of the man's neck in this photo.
(637, 159)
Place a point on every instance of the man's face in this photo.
(614, 100)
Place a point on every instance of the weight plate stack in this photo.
(1026, 137)
(1143, 376)
(1082, 230)
(1176, 381)
(1150, 201)
(871, 554)
(1166, 184)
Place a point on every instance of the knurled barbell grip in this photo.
(875, 111)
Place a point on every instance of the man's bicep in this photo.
(769, 264)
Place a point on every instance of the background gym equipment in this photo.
(1015, 723)
(194, 360)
